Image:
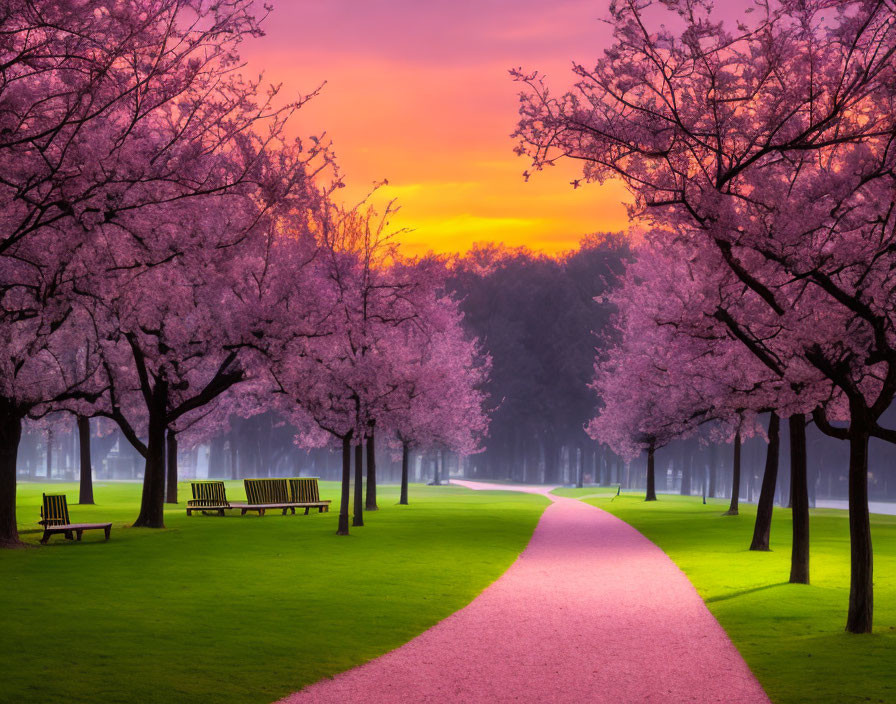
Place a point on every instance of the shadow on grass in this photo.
(743, 592)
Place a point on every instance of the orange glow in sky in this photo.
(418, 93)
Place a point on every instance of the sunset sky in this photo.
(419, 93)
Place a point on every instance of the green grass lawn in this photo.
(593, 492)
(238, 609)
(792, 636)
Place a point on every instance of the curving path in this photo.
(591, 611)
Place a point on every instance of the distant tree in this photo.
(536, 317)
(443, 372)
(674, 368)
(657, 383)
(350, 373)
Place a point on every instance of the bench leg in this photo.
(189, 512)
(261, 512)
(108, 531)
(283, 512)
(46, 538)
(243, 511)
(68, 535)
(220, 511)
(307, 509)
(78, 533)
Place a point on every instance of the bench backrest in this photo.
(266, 491)
(303, 490)
(212, 493)
(55, 510)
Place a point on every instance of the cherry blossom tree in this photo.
(179, 316)
(676, 366)
(381, 334)
(85, 84)
(127, 133)
(657, 383)
(43, 363)
(111, 114)
(327, 366)
(443, 373)
(767, 147)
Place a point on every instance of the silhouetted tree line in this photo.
(541, 319)
(260, 446)
(690, 467)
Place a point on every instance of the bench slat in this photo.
(76, 526)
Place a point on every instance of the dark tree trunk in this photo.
(861, 590)
(358, 517)
(651, 473)
(435, 471)
(762, 529)
(10, 435)
(799, 559)
(735, 478)
(580, 467)
(171, 474)
(152, 502)
(346, 484)
(713, 469)
(85, 495)
(405, 452)
(370, 499)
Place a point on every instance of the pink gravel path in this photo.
(591, 611)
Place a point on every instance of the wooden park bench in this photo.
(208, 497)
(266, 494)
(261, 495)
(54, 519)
(304, 492)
